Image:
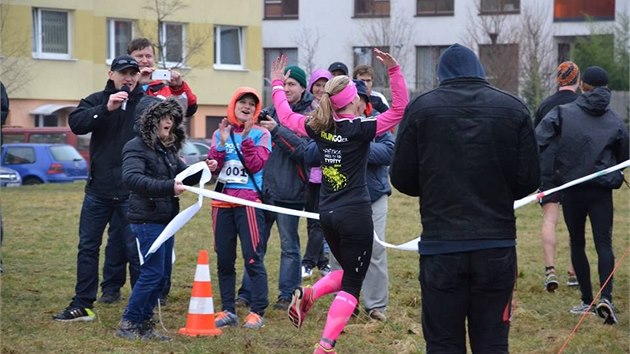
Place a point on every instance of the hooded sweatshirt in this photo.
(467, 150)
(255, 150)
(580, 138)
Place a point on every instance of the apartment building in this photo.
(316, 33)
(54, 52)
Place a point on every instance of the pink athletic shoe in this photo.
(301, 302)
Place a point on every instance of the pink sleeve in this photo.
(255, 155)
(400, 99)
(288, 118)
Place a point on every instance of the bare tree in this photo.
(163, 10)
(307, 40)
(15, 70)
(538, 56)
(516, 51)
(393, 34)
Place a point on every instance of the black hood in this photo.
(151, 119)
(594, 102)
(459, 62)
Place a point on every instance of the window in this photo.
(580, 10)
(47, 120)
(19, 155)
(172, 38)
(501, 64)
(371, 8)
(435, 7)
(365, 55)
(427, 59)
(119, 34)
(281, 9)
(269, 55)
(228, 47)
(500, 7)
(51, 34)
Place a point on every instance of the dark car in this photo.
(9, 177)
(45, 163)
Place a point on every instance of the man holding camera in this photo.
(160, 83)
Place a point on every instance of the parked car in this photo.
(191, 154)
(45, 163)
(9, 177)
(203, 145)
(48, 135)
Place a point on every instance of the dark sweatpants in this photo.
(246, 223)
(349, 232)
(473, 286)
(596, 203)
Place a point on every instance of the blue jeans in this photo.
(147, 289)
(290, 261)
(121, 248)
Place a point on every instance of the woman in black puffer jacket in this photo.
(150, 164)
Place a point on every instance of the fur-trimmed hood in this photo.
(151, 119)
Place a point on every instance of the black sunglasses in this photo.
(125, 61)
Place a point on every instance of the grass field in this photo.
(39, 251)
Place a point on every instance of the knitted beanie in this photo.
(297, 74)
(567, 73)
(595, 76)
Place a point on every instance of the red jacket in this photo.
(160, 89)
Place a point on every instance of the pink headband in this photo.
(343, 97)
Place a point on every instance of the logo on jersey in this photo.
(333, 137)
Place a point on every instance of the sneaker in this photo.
(582, 309)
(128, 330)
(254, 321)
(321, 350)
(551, 282)
(109, 298)
(307, 272)
(147, 332)
(282, 304)
(377, 314)
(323, 271)
(301, 302)
(224, 319)
(572, 280)
(75, 314)
(241, 303)
(606, 310)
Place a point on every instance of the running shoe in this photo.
(224, 319)
(301, 303)
(582, 309)
(606, 310)
(254, 321)
(551, 282)
(572, 279)
(307, 272)
(75, 314)
(321, 350)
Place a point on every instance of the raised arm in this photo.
(288, 118)
(400, 96)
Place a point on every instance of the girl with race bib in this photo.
(237, 156)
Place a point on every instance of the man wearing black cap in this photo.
(575, 140)
(109, 115)
(338, 68)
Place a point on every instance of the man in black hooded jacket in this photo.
(467, 150)
(110, 116)
(575, 140)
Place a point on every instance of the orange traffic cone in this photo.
(200, 320)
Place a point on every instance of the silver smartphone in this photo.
(161, 75)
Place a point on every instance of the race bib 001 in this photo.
(234, 172)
